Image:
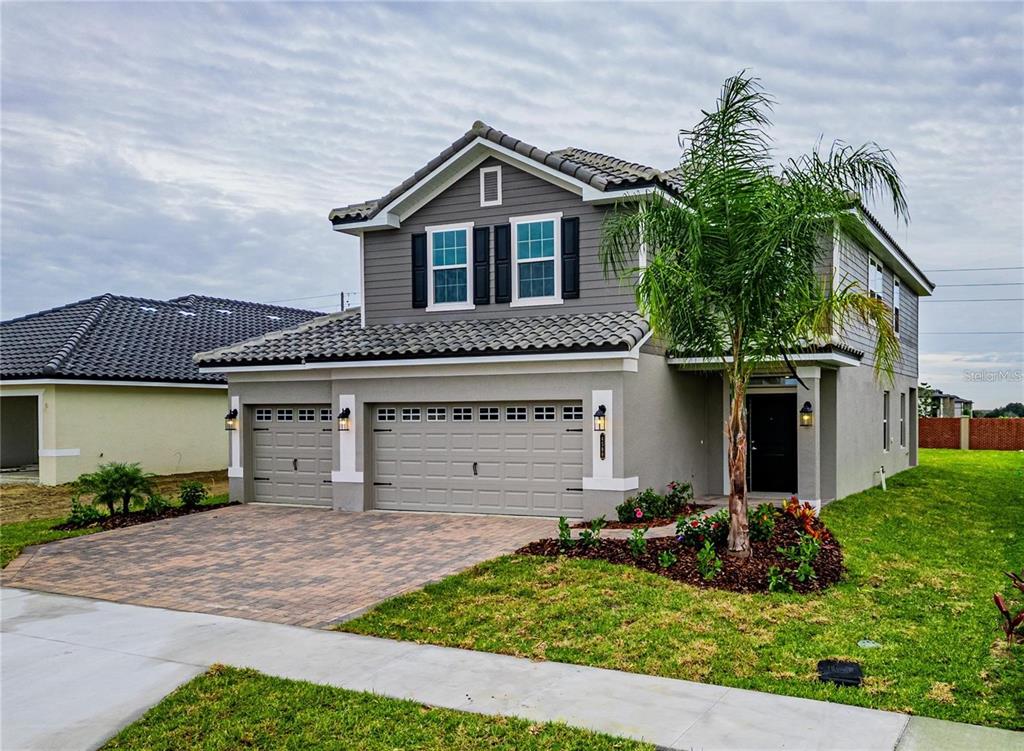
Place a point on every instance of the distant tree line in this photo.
(1013, 409)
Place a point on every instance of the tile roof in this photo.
(339, 337)
(597, 170)
(113, 337)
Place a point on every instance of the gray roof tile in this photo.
(112, 337)
(339, 337)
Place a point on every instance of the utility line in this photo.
(970, 333)
(977, 299)
(977, 268)
(313, 297)
(983, 284)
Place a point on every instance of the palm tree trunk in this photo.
(126, 504)
(739, 540)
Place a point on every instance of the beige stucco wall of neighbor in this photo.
(165, 429)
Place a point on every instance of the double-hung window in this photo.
(896, 304)
(449, 281)
(536, 256)
(876, 277)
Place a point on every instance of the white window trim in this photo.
(897, 291)
(873, 262)
(486, 171)
(886, 423)
(433, 307)
(555, 299)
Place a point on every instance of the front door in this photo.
(771, 440)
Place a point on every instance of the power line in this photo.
(983, 284)
(969, 333)
(976, 268)
(313, 297)
(977, 299)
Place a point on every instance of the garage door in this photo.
(291, 445)
(498, 458)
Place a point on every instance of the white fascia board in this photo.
(631, 354)
(827, 358)
(85, 382)
(894, 256)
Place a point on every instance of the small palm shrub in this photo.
(192, 493)
(117, 482)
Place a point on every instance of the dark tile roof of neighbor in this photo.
(597, 170)
(112, 337)
(340, 337)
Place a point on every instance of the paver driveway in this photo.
(306, 567)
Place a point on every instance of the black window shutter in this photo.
(481, 265)
(503, 263)
(419, 270)
(570, 258)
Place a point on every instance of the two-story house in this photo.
(493, 367)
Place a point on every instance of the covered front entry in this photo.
(771, 443)
(523, 458)
(19, 431)
(291, 453)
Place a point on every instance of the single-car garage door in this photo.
(291, 446)
(498, 458)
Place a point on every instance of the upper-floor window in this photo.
(449, 250)
(896, 304)
(490, 186)
(536, 254)
(876, 277)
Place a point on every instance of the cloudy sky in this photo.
(162, 149)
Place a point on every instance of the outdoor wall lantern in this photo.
(231, 420)
(601, 419)
(345, 419)
(806, 415)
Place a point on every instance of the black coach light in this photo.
(231, 420)
(601, 419)
(806, 415)
(345, 419)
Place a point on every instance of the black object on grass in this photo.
(840, 672)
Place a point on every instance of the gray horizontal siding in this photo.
(852, 265)
(388, 280)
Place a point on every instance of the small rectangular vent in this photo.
(490, 186)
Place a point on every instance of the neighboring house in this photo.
(950, 405)
(495, 368)
(111, 378)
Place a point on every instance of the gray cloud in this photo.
(158, 149)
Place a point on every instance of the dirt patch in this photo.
(119, 521)
(737, 574)
(19, 503)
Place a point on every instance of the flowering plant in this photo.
(695, 529)
(804, 513)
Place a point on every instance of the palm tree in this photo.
(115, 482)
(731, 257)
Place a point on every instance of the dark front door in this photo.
(771, 437)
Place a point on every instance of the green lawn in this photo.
(230, 709)
(924, 559)
(16, 536)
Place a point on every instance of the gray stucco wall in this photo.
(19, 430)
(387, 253)
(666, 416)
(859, 454)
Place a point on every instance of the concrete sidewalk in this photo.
(77, 670)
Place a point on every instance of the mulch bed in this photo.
(659, 521)
(144, 517)
(737, 574)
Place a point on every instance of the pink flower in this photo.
(695, 524)
(639, 513)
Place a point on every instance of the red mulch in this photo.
(737, 574)
(144, 517)
(659, 521)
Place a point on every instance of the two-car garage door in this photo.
(499, 458)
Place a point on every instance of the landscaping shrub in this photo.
(708, 562)
(83, 514)
(679, 495)
(694, 530)
(156, 504)
(637, 542)
(648, 504)
(667, 558)
(115, 482)
(803, 513)
(777, 581)
(564, 533)
(1013, 624)
(192, 493)
(761, 522)
(803, 555)
(589, 537)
